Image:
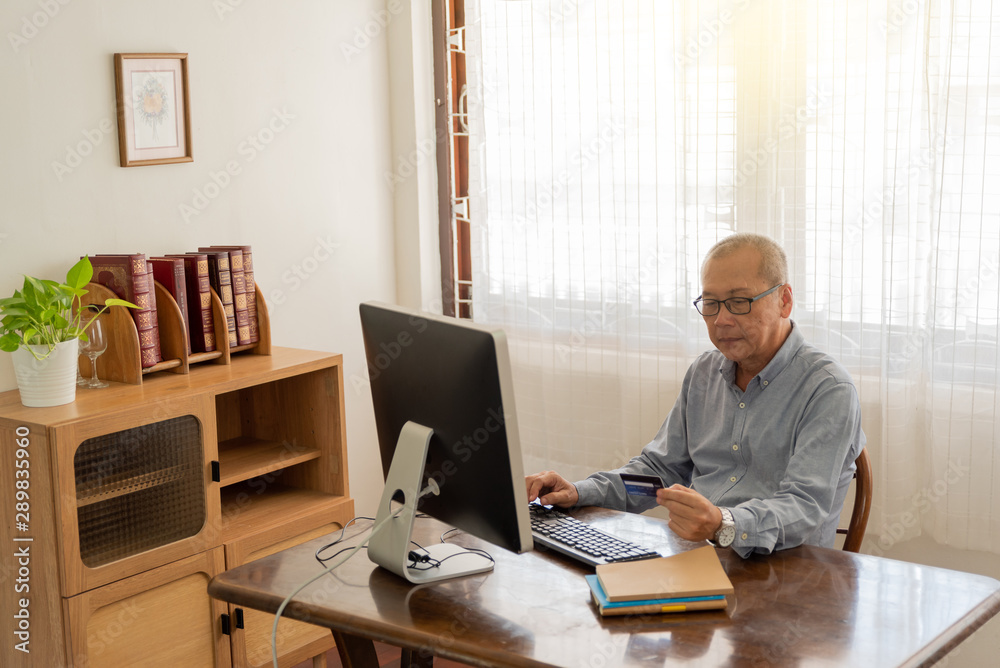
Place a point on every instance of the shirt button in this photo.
(744, 536)
(742, 405)
(765, 382)
(736, 447)
(733, 479)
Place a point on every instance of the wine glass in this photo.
(93, 347)
(85, 317)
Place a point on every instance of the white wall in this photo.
(314, 202)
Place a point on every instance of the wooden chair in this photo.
(855, 531)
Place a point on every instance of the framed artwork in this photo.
(154, 110)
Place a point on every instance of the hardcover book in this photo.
(240, 307)
(129, 277)
(221, 280)
(201, 323)
(250, 286)
(169, 271)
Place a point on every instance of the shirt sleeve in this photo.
(804, 498)
(666, 457)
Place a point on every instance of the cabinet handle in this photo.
(225, 624)
(239, 617)
(216, 472)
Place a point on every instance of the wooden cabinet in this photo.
(124, 504)
(163, 617)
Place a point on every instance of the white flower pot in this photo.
(47, 382)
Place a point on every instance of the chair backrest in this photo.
(855, 531)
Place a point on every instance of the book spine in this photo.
(661, 608)
(240, 306)
(222, 282)
(129, 278)
(201, 329)
(202, 287)
(251, 289)
(154, 330)
(180, 294)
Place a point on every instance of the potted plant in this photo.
(41, 327)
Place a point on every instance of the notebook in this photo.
(697, 572)
(663, 605)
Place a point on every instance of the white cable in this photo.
(431, 488)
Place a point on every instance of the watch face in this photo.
(726, 536)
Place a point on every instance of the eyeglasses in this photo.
(735, 305)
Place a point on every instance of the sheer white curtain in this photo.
(615, 140)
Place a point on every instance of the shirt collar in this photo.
(777, 364)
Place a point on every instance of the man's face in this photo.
(750, 340)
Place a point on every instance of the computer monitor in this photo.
(447, 433)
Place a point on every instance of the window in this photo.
(611, 142)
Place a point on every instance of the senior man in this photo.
(758, 451)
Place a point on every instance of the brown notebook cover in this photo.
(221, 280)
(697, 572)
(129, 278)
(169, 271)
(201, 324)
(250, 285)
(240, 307)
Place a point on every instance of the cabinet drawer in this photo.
(163, 617)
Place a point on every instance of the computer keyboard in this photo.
(555, 530)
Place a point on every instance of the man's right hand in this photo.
(551, 489)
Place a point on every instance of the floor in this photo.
(388, 657)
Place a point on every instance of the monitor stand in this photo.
(390, 546)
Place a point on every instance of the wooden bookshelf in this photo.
(122, 363)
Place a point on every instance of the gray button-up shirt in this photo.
(780, 455)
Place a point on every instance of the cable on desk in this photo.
(340, 538)
(468, 550)
(329, 569)
(323, 560)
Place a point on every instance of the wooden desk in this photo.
(797, 607)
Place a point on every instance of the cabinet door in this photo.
(135, 490)
(163, 617)
(296, 641)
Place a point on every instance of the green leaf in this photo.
(80, 273)
(28, 334)
(29, 292)
(9, 342)
(119, 302)
(36, 285)
(12, 302)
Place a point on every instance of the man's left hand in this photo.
(692, 516)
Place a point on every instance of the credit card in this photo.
(641, 485)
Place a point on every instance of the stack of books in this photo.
(693, 580)
(189, 278)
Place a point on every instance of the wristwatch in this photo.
(727, 532)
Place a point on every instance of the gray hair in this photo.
(773, 261)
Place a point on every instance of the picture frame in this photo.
(154, 108)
